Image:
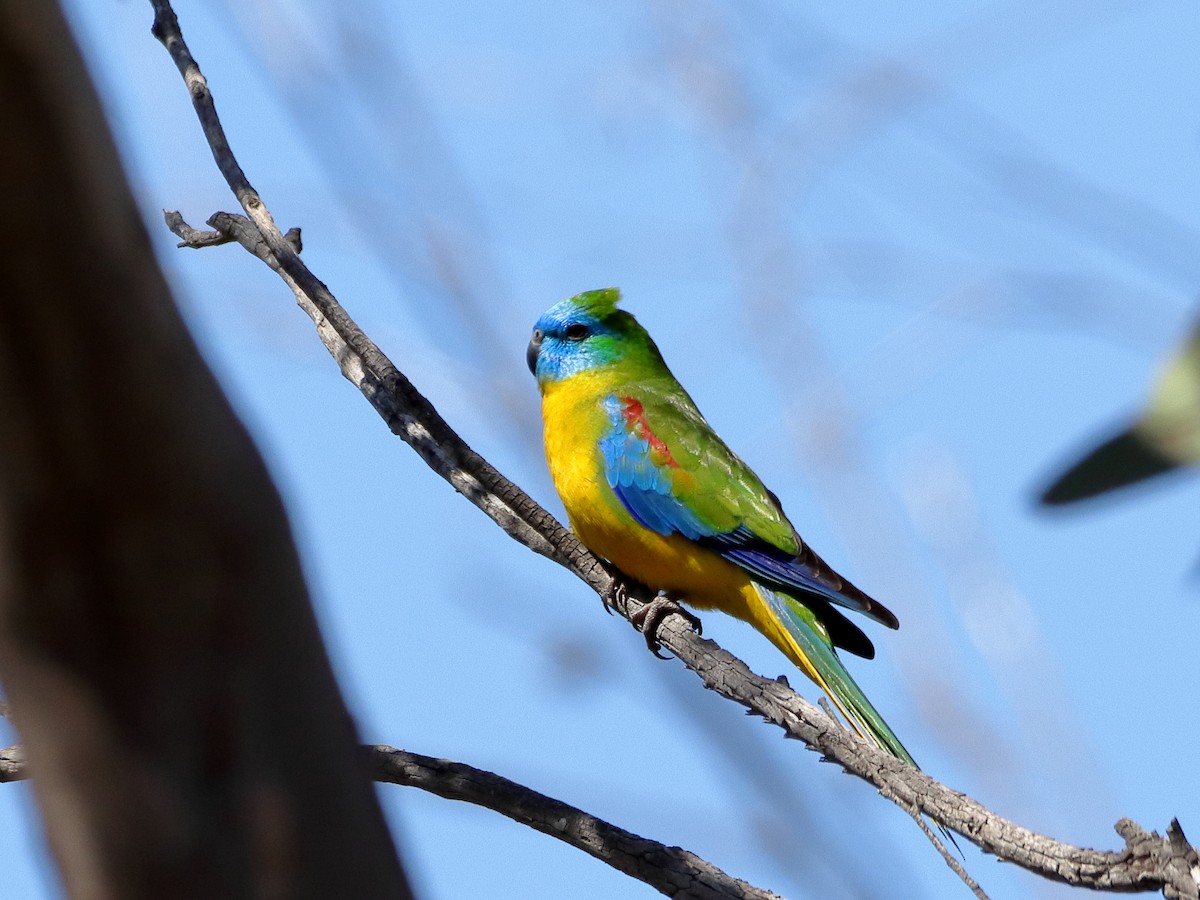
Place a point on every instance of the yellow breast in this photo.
(575, 421)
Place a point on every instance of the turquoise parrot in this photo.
(650, 487)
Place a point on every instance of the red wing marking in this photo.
(635, 420)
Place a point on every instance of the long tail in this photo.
(806, 642)
(794, 628)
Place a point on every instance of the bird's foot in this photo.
(616, 594)
(650, 617)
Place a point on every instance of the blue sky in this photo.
(908, 260)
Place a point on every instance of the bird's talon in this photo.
(649, 618)
(616, 594)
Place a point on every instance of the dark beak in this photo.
(535, 347)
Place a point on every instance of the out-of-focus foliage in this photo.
(1164, 438)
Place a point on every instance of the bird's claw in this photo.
(615, 595)
(650, 617)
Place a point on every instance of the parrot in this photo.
(651, 488)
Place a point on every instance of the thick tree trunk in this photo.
(152, 608)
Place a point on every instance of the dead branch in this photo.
(670, 870)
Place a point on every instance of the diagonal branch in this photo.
(1149, 862)
(670, 870)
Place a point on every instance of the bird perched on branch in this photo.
(650, 487)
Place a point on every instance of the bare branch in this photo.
(955, 866)
(240, 230)
(12, 765)
(1148, 863)
(407, 413)
(671, 870)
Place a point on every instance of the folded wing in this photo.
(675, 475)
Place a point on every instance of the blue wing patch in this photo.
(642, 486)
(646, 490)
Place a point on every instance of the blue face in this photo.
(569, 339)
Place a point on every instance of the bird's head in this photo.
(587, 332)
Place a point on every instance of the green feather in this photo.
(599, 303)
(813, 638)
(723, 491)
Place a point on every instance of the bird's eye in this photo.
(577, 331)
